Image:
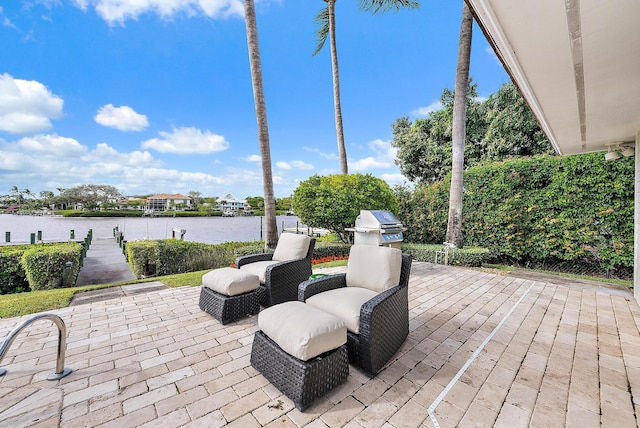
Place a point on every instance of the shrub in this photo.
(467, 256)
(44, 264)
(333, 202)
(531, 211)
(13, 278)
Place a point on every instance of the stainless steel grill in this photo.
(377, 228)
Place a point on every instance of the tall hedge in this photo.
(573, 208)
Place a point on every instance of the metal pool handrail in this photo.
(62, 344)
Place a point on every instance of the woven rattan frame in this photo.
(301, 381)
(227, 309)
(384, 320)
(281, 279)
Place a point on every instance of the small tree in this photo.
(333, 202)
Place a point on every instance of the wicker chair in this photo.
(282, 271)
(383, 321)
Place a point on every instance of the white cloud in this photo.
(426, 111)
(187, 141)
(27, 106)
(393, 179)
(329, 156)
(118, 11)
(284, 165)
(301, 165)
(253, 158)
(54, 145)
(384, 157)
(121, 118)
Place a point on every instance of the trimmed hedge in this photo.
(38, 266)
(467, 256)
(171, 256)
(542, 209)
(13, 278)
(44, 265)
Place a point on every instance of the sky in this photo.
(155, 96)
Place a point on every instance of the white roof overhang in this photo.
(576, 62)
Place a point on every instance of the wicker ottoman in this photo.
(229, 294)
(300, 350)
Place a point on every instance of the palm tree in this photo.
(454, 223)
(271, 231)
(327, 28)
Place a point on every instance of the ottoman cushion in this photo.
(230, 281)
(301, 330)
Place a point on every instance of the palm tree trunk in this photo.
(271, 237)
(342, 152)
(454, 223)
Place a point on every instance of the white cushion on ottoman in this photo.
(301, 330)
(230, 281)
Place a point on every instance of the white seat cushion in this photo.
(291, 246)
(258, 268)
(343, 303)
(229, 281)
(302, 331)
(373, 267)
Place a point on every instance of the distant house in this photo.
(230, 204)
(165, 202)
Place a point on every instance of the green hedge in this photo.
(574, 208)
(171, 256)
(328, 249)
(467, 256)
(13, 278)
(44, 265)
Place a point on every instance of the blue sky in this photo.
(155, 96)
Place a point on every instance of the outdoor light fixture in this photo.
(617, 150)
(612, 153)
(628, 151)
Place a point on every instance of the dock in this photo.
(104, 264)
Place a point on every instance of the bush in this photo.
(171, 256)
(467, 256)
(570, 208)
(13, 278)
(333, 202)
(330, 249)
(44, 264)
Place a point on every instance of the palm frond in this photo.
(322, 21)
(376, 6)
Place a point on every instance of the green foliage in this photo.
(574, 208)
(172, 256)
(333, 202)
(142, 257)
(467, 256)
(13, 279)
(498, 128)
(328, 249)
(44, 264)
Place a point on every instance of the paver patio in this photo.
(483, 350)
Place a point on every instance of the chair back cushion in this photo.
(373, 267)
(291, 246)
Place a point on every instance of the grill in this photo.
(377, 228)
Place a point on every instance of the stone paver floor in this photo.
(483, 350)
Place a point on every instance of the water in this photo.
(211, 230)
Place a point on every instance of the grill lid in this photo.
(376, 219)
